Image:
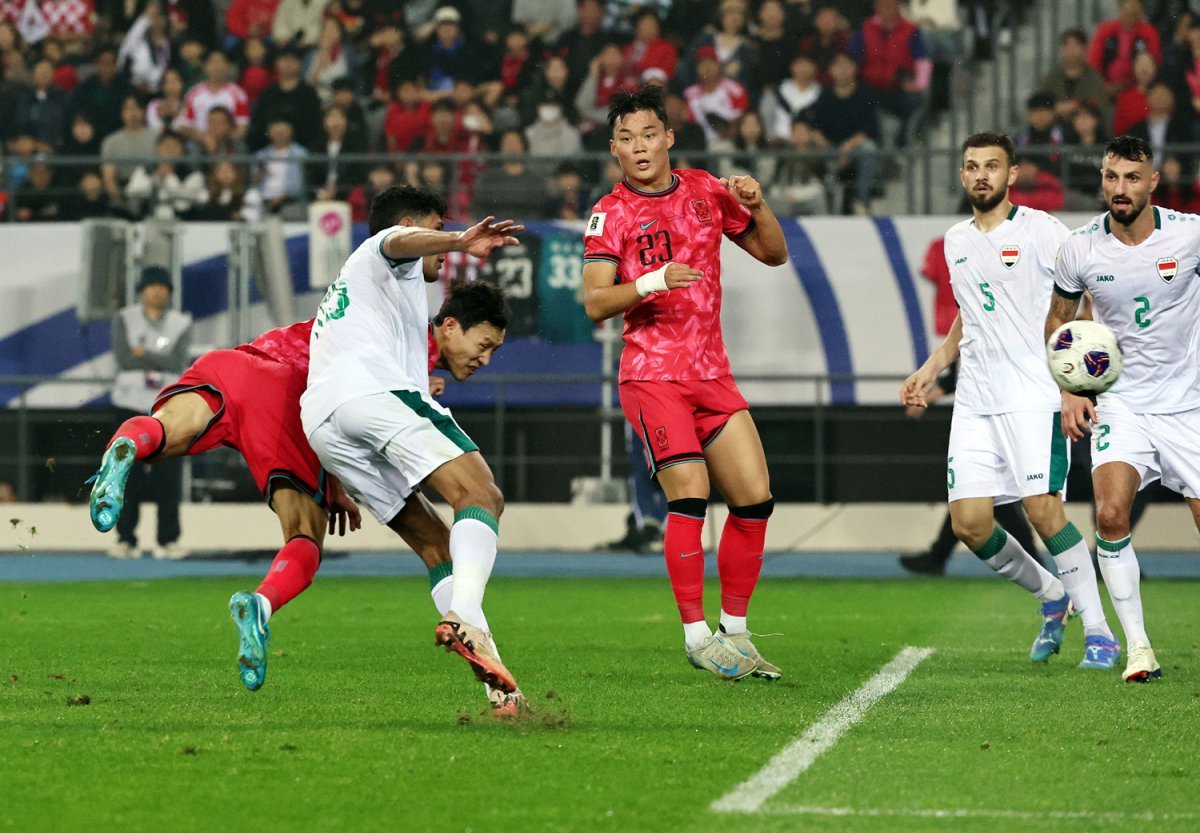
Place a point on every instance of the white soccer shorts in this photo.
(1159, 446)
(382, 446)
(1006, 457)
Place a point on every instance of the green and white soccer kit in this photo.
(367, 410)
(1149, 296)
(1005, 439)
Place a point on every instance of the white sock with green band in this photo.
(1005, 556)
(474, 538)
(1122, 577)
(441, 585)
(1078, 576)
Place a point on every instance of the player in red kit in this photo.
(653, 252)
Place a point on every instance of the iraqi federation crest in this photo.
(1167, 267)
(1009, 255)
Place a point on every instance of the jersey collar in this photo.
(670, 189)
(1157, 220)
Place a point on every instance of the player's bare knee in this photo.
(973, 532)
(1112, 521)
(1046, 514)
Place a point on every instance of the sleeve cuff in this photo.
(742, 235)
(1070, 296)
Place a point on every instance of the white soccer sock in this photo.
(732, 624)
(1007, 557)
(695, 633)
(1122, 577)
(474, 538)
(1075, 571)
(265, 603)
(441, 593)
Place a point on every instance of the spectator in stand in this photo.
(517, 68)
(356, 118)
(99, 97)
(1132, 104)
(775, 44)
(714, 97)
(65, 76)
(551, 136)
(568, 200)
(71, 21)
(1073, 81)
(249, 19)
(606, 77)
(896, 67)
(1175, 187)
(42, 112)
(510, 188)
(88, 201)
(10, 39)
(82, 140)
(134, 143)
(167, 188)
(37, 200)
(257, 73)
(332, 178)
(831, 38)
(289, 99)
(1091, 134)
(687, 18)
(13, 86)
(1184, 73)
(298, 23)
(544, 19)
(552, 84)
(450, 56)
(145, 52)
(1117, 42)
(329, 61)
(730, 44)
(1042, 128)
(752, 151)
(226, 186)
(220, 135)
(649, 48)
(166, 111)
(393, 61)
(1036, 188)
(192, 52)
(445, 133)
(279, 175)
(1163, 126)
(408, 117)
(844, 120)
(381, 177)
(580, 44)
(784, 102)
(217, 90)
(689, 136)
(21, 151)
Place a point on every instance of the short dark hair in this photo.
(991, 139)
(474, 302)
(1075, 35)
(1133, 148)
(646, 97)
(393, 204)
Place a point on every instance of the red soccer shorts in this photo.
(678, 420)
(256, 402)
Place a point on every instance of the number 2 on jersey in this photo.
(656, 248)
(990, 303)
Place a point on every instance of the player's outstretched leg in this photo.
(254, 637)
(137, 438)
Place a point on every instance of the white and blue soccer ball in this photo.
(1084, 357)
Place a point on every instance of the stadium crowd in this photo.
(233, 109)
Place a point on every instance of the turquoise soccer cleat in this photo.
(1101, 653)
(108, 484)
(254, 637)
(1055, 616)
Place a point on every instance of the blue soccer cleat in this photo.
(1055, 616)
(1101, 652)
(108, 484)
(254, 637)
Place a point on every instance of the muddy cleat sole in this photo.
(1142, 666)
(1055, 616)
(108, 484)
(719, 657)
(1100, 653)
(254, 638)
(472, 644)
(508, 705)
(763, 670)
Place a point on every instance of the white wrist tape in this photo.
(655, 281)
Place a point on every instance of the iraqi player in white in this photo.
(367, 411)
(1005, 444)
(1139, 263)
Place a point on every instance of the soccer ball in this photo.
(1084, 357)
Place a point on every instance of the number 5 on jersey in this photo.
(990, 303)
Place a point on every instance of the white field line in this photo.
(801, 753)
(1021, 815)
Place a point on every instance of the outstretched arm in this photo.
(916, 387)
(480, 240)
(766, 244)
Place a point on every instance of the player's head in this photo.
(1127, 178)
(641, 135)
(470, 326)
(988, 169)
(404, 205)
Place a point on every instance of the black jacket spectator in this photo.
(99, 98)
(289, 99)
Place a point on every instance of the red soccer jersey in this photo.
(289, 345)
(676, 335)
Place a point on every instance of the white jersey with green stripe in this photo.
(1002, 280)
(370, 334)
(1149, 296)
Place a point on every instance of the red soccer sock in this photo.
(739, 561)
(146, 432)
(291, 571)
(685, 563)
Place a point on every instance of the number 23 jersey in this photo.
(675, 335)
(1002, 280)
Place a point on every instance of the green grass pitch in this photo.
(364, 726)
